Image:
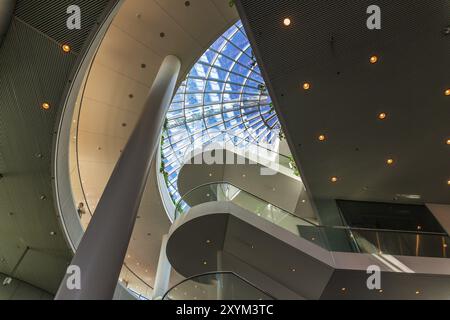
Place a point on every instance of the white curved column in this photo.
(102, 250)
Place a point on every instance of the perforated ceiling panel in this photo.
(33, 70)
(52, 22)
(329, 46)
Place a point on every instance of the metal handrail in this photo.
(213, 273)
(303, 219)
(225, 133)
(242, 190)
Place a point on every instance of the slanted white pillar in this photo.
(102, 250)
(162, 273)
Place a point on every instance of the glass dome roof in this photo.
(223, 93)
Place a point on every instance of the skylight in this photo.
(223, 93)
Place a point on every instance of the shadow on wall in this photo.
(12, 289)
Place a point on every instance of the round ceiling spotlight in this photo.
(390, 161)
(306, 86)
(447, 92)
(373, 59)
(66, 48)
(287, 22)
(45, 106)
(448, 142)
(382, 116)
(334, 179)
(322, 137)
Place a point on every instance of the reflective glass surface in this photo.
(216, 286)
(331, 238)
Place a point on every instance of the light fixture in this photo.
(344, 290)
(205, 263)
(448, 182)
(417, 292)
(66, 48)
(208, 241)
(293, 270)
(334, 179)
(419, 228)
(45, 106)
(322, 137)
(373, 59)
(390, 161)
(380, 291)
(287, 22)
(448, 142)
(382, 116)
(306, 86)
(447, 92)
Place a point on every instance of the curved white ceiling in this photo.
(141, 35)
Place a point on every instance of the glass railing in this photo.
(331, 238)
(216, 286)
(245, 147)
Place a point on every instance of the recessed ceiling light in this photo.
(382, 116)
(373, 59)
(45, 106)
(344, 289)
(447, 92)
(448, 182)
(322, 137)
(445, 245)
(205, 263)
(66, 48)
(380, 291)
(306, 86)
(287, 22)
(334, 179)
(448, 142)
(390, 161)
(417, 292)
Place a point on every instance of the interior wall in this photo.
(18, 290)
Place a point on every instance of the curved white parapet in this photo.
(63, 190)
(288, 266)
(6, 11)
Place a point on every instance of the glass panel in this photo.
(342, 239)
(216, 286)
(226, 78)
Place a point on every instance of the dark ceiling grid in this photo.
(52, 23)
(328, 45)
(34, 70)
